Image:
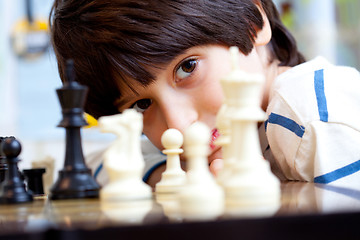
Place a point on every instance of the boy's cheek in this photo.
(154, 135)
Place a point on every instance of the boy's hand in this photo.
(215, 166)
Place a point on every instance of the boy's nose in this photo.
(179, 113)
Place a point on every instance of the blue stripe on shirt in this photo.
(146, 176)
(286, 123)
(338, 173)
(152, 169)
(320, 95)
(98, 169)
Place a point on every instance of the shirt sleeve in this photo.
(329, 153)
(153, 157)
(314, 131)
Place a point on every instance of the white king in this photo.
(251, 183)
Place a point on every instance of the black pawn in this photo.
(34, 179)
(75, 179)
(13, 189)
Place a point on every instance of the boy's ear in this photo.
(264, 34)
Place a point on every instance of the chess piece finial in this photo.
(172, 139)
(234, 53)
(13, 189)
(173, 178)
(75, 179)
(11, 147)
(70, 71)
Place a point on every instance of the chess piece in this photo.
(201, 198)
(75, 179)
(3, 164)
(34, 179)
(46, 163)
(123, 160)
(223, 141)
(13, 189)
(252, 184)
(173, 178)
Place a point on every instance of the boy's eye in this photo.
(142, 105)
(186, 68)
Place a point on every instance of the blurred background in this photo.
(29, 108)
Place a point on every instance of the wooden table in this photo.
(307, 210)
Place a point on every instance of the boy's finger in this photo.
(215, 166)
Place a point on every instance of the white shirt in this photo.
(313, 125)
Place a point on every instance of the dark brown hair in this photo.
(112, 41)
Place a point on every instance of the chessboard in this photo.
(244, 200)
(307, 211)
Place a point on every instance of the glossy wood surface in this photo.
(298, 199)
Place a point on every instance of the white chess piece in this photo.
(224, 128)
(252, 184)
(201, 198)
(123, 160)
(173, 178)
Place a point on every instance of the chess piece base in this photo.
(14, 194)
(129, 189)
(75, 184)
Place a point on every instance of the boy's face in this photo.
(186, 90)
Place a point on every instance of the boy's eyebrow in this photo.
(127, 94)
(122, 100)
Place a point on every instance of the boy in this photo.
(165, 59)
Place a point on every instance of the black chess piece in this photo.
(34, 179)
(13, 189)
(3, 164)
(75, 179)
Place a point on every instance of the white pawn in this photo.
(173, 178)
(201, 198)
(123, 160)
